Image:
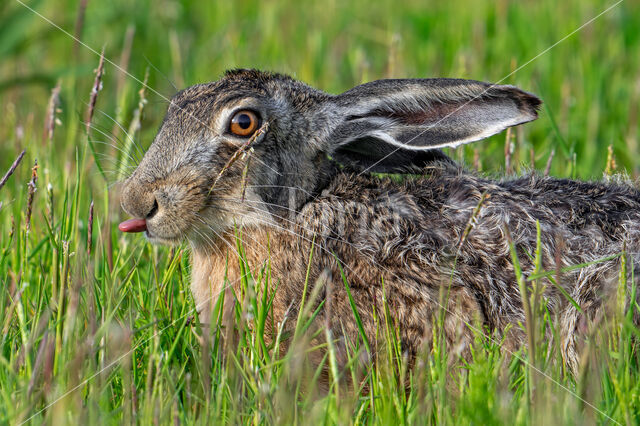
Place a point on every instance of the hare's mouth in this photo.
(161, 240)
(155, 236)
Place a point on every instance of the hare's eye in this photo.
(244, 123)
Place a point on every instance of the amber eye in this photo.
(244, 123)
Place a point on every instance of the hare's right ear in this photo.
(391, 125)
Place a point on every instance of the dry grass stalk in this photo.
(14, 293)
(125, 56)
(49, 359)
(176, 58)
(392, 57)
(50, 202)
(611, 162)
(476, 160)
(240, 153)
(82, 8)
(109, 240)
(134, 127)
(40, 357)
(31, 192)
(557, 255)
(632, 129)
(13, 227)
(245, 172)
(52, 109)
(532, 157)
(473, 219)
(508, 151)
(12, 169)
(136, 121)
(97, 86)
(547, 168)
(90, 229)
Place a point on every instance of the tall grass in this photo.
(98, 327)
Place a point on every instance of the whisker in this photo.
(103, 154)
(208, 240)
(279, 227)
(111, 138)
(219, 236)
(326, 227)
(115, 163)
(126, 133)
(314, 242)
(160, 72)
(282, 186)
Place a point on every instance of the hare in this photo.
(293, 169)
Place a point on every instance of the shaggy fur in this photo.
(422, 244)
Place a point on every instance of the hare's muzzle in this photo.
(133, 225)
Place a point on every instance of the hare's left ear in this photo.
(391, 125)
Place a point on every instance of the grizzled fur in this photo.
(404, 242)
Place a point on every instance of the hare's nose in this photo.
(139, 202)
(153, 211)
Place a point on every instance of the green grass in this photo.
(108, 336)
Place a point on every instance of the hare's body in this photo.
(420, 242)
(437, 241)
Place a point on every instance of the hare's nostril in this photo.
(153, 210)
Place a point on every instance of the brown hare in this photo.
(291, 167)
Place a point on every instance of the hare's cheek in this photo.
(171, 197)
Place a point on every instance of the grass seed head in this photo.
(97, 86)
(31, 192)
(52, 110)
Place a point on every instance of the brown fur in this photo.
(415, 254)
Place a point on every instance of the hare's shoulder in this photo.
(374, 217)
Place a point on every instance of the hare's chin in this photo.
(161, 240)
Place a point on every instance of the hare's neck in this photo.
(207, 281)
(214, 270)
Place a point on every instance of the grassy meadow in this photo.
(98, 327)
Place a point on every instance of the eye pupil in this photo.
(244, 121)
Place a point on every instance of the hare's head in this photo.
(254, 146)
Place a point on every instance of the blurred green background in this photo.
(590, 82)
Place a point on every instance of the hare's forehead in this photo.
(219, 92)
(209, 102)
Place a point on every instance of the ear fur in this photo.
(388, 125)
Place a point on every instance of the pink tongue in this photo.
(133, 225)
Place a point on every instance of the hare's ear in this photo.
(391, 125)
